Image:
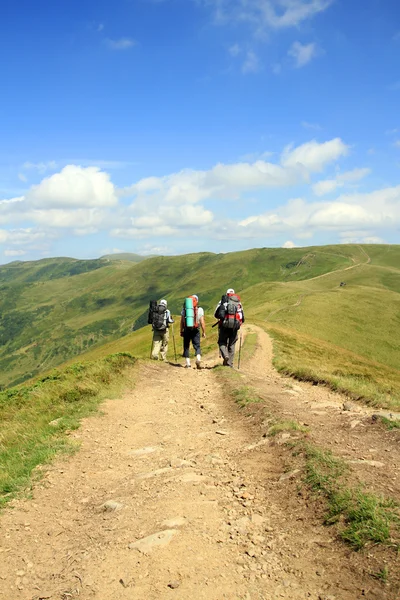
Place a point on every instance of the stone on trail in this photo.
(177, 463)
(192, 478)
(111, 506)
(289, 475)
(257, 519)
(154, 473)
(143, 451)
(348, 406)
(221, 432)
(173, 585)
(156, 540)
(370, 463)
(174, 523)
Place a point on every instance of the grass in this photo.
(309, 359)
(390, 423)
(56, 309)
(382, 575)
(243, 395)
(34, 419)
(249, 346)
(344, 337)
(362, 517)
(283, 426)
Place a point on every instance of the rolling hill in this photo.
(54, 310)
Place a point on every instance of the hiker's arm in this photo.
(203, 326)
(170, 319)
(182, 324)
(217, 310)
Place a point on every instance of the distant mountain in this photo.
(55, 309)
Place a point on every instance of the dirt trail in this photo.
(181, 461)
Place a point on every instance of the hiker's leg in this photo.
(223, 344)
(231, 347)
(196, 341)
(164, 345)
(157, 339)
(186, 342)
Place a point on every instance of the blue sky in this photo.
(172, 126)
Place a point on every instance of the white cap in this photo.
(230, 291)
(163, 302)
(194, 296)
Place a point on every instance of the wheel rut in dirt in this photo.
(175, 492)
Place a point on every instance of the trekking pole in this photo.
(240, 350)
(173, 337)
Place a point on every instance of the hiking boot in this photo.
(225, 362)
(187, 367)
(198, 364)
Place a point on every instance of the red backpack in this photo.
(233, 312)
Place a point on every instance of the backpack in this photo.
(232, 319)
(190, 312)
(152, 308)
(159, 317)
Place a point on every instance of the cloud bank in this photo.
(197, 204)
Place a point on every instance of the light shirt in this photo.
(200, 313)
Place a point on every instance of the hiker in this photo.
(192, 319)
(230, 315)
(160, 319)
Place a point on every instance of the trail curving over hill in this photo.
(176, 460)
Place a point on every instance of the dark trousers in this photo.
(191, 334)
(226, 341)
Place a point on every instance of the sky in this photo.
(178, 126)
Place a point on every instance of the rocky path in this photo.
(175, 493)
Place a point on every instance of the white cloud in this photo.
(111, 251)
(313, 126)
(22, 177)
(74, 186)
(314, 156)
(149, 250)
(302, 53)
(22, 236)
(100, 27)
(267, 14)
(354, 175)
(234, 50)
(89, 219)
(397, 144)
(325, 187)
(15, 252)
(369, 212)
(41, 167)
(359, 237)
(120, 44)
(289, 244)
(82, 201)
(251, 63)
(330, 185)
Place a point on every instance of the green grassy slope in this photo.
(55, 309)
(293, 292)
